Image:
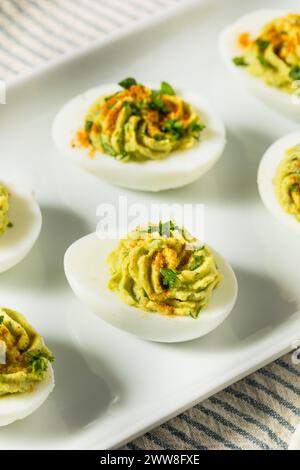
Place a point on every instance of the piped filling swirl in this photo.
(161, 268)
(24, 358)
(274, 55)
(138, 123)
(287, 182)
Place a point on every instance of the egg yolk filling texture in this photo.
(161, 268)
(24, 358)
(4, 207)
(274, 55)
(287, 182)
(137, 123)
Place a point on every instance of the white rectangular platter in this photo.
(110, 386)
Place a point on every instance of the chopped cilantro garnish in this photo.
(38, 361)
(166, 89)
(177, 125)
(157, 102)
(128, 82)
(294, 187)
(173, 127)
(88, 125)
(160, 227)
(197, 127)
(1, 319)
(295, 72)
(10, 225)
(196, 262)
(164, 228)
(170, 278)
(262, 44)
(240, 61)
(135, 108)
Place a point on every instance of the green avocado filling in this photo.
(287, 182)
(24, 358)
(138, 124)
(274, 56)
(162, 268)
(4, 207)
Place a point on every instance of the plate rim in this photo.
(179, 402)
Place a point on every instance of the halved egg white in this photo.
(25, 215)
(87, 272)
(20, 405)
(178, 169)
(266, 174)
(295, 442)
(229, 48)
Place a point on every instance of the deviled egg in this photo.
(159, 283)
(261, 49)
(279, 180)
(139, 137)
(26, 374)
(20, 224)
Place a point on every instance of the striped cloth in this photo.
(259, 412)
(35, 31)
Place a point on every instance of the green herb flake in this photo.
(240, 61)
(10, 225)
(197, 127)
(38, 361)
(166, 89)
(108, 149)
(170, 278)
(157, 102)
(294, 187)
(151, 229)
(109, 97)
(135, 108)
(128, 82)
(1, 319)
(123, 155)
(263, 44)
(295, 72)
(177, 125)
(264, 62)
(88, 125)
(164, 228)
(196, 262)
(173, 127)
